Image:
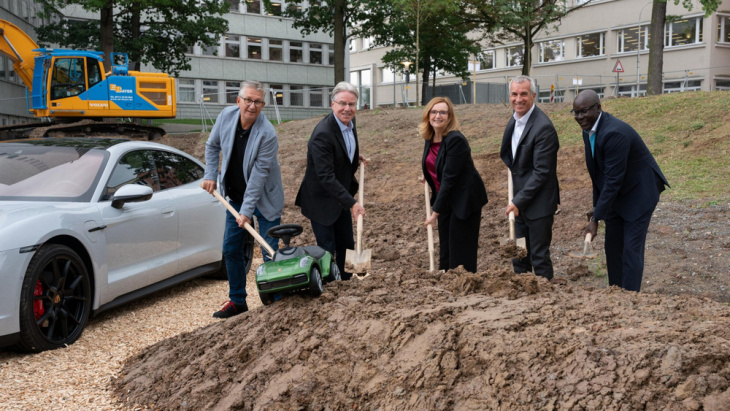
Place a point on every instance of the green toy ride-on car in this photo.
(294, 268)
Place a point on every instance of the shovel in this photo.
(358, 261)
(247, 226)
(585, 254)
(429, 227)
(520, 242)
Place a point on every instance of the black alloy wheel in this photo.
(55, 299)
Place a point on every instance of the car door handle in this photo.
(99, 228)
(167, 210)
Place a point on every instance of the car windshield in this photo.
(48, 173)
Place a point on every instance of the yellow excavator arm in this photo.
(18, 46)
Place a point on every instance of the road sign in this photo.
(618, 68)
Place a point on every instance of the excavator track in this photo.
(83, 128)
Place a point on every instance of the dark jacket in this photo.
(462, 189)
(329, 183)
(626, 178)
(534, 168)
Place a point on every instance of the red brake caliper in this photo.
(38, 304)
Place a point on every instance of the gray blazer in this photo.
(264, 189)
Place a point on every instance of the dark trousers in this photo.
(458, 241)
(538, 235)
(336, 238)
(625, 244)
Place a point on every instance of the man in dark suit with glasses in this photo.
(326, 195)
(626, 185)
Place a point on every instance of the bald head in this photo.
(587, 98)
(586, 109)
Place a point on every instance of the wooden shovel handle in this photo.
(247, 226)
(429, 228)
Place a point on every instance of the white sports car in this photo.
(88, 224)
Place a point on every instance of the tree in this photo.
(427, 32)
(654, 84)
(338, 18)
(156, 32)
(507, 20)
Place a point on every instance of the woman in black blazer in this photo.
(457, 190)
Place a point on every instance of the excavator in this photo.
(74, 95)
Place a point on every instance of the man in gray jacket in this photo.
(250, 176)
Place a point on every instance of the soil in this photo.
(404, 338)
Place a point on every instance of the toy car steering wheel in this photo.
(285, 232)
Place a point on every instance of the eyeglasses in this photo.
(344, 104)
(583, 112)
(248, 101)
(443, 113)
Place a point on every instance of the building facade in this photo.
(297, 71)
(602, 46)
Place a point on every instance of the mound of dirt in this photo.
(404, 338)
(455, 340)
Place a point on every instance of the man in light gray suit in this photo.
(250, 176)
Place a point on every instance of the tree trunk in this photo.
(527, 57)
(656, 48)
(135, 56)
(433, 87)
(340, 35)
(106, 33)
(424, 83)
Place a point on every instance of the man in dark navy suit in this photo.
(530, 151)
(326, 195)
(626, 185)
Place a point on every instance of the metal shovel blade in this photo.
(357, 263)
(585, 254)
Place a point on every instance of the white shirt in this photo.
(519, 128)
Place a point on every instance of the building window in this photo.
(233, 45)
(723, 29)
(278, 94)
(722, 84)
(627, 39)
(276, 50)
(275, 9)
(682, 32)
(331, 56)
(590, 45)
(296, 96)
(353, 46)
(552, 50)
(296, 53)
(210, 91)
(185, 90)
(630, 90)
(367, 42)
(386, 75)
(682, 85)
(315, 53)
(315, 97)
(254, 48)
(557, 97)
(209, 50)
(232, 89)
(3, 68)
(234, 6)
(361, 80)
(253, 7)
(515, 55)
(486, 60)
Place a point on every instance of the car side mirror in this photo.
(131, 193)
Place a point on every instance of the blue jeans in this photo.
(233, 240)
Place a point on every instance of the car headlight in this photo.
(303, 262)
(260, 270)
